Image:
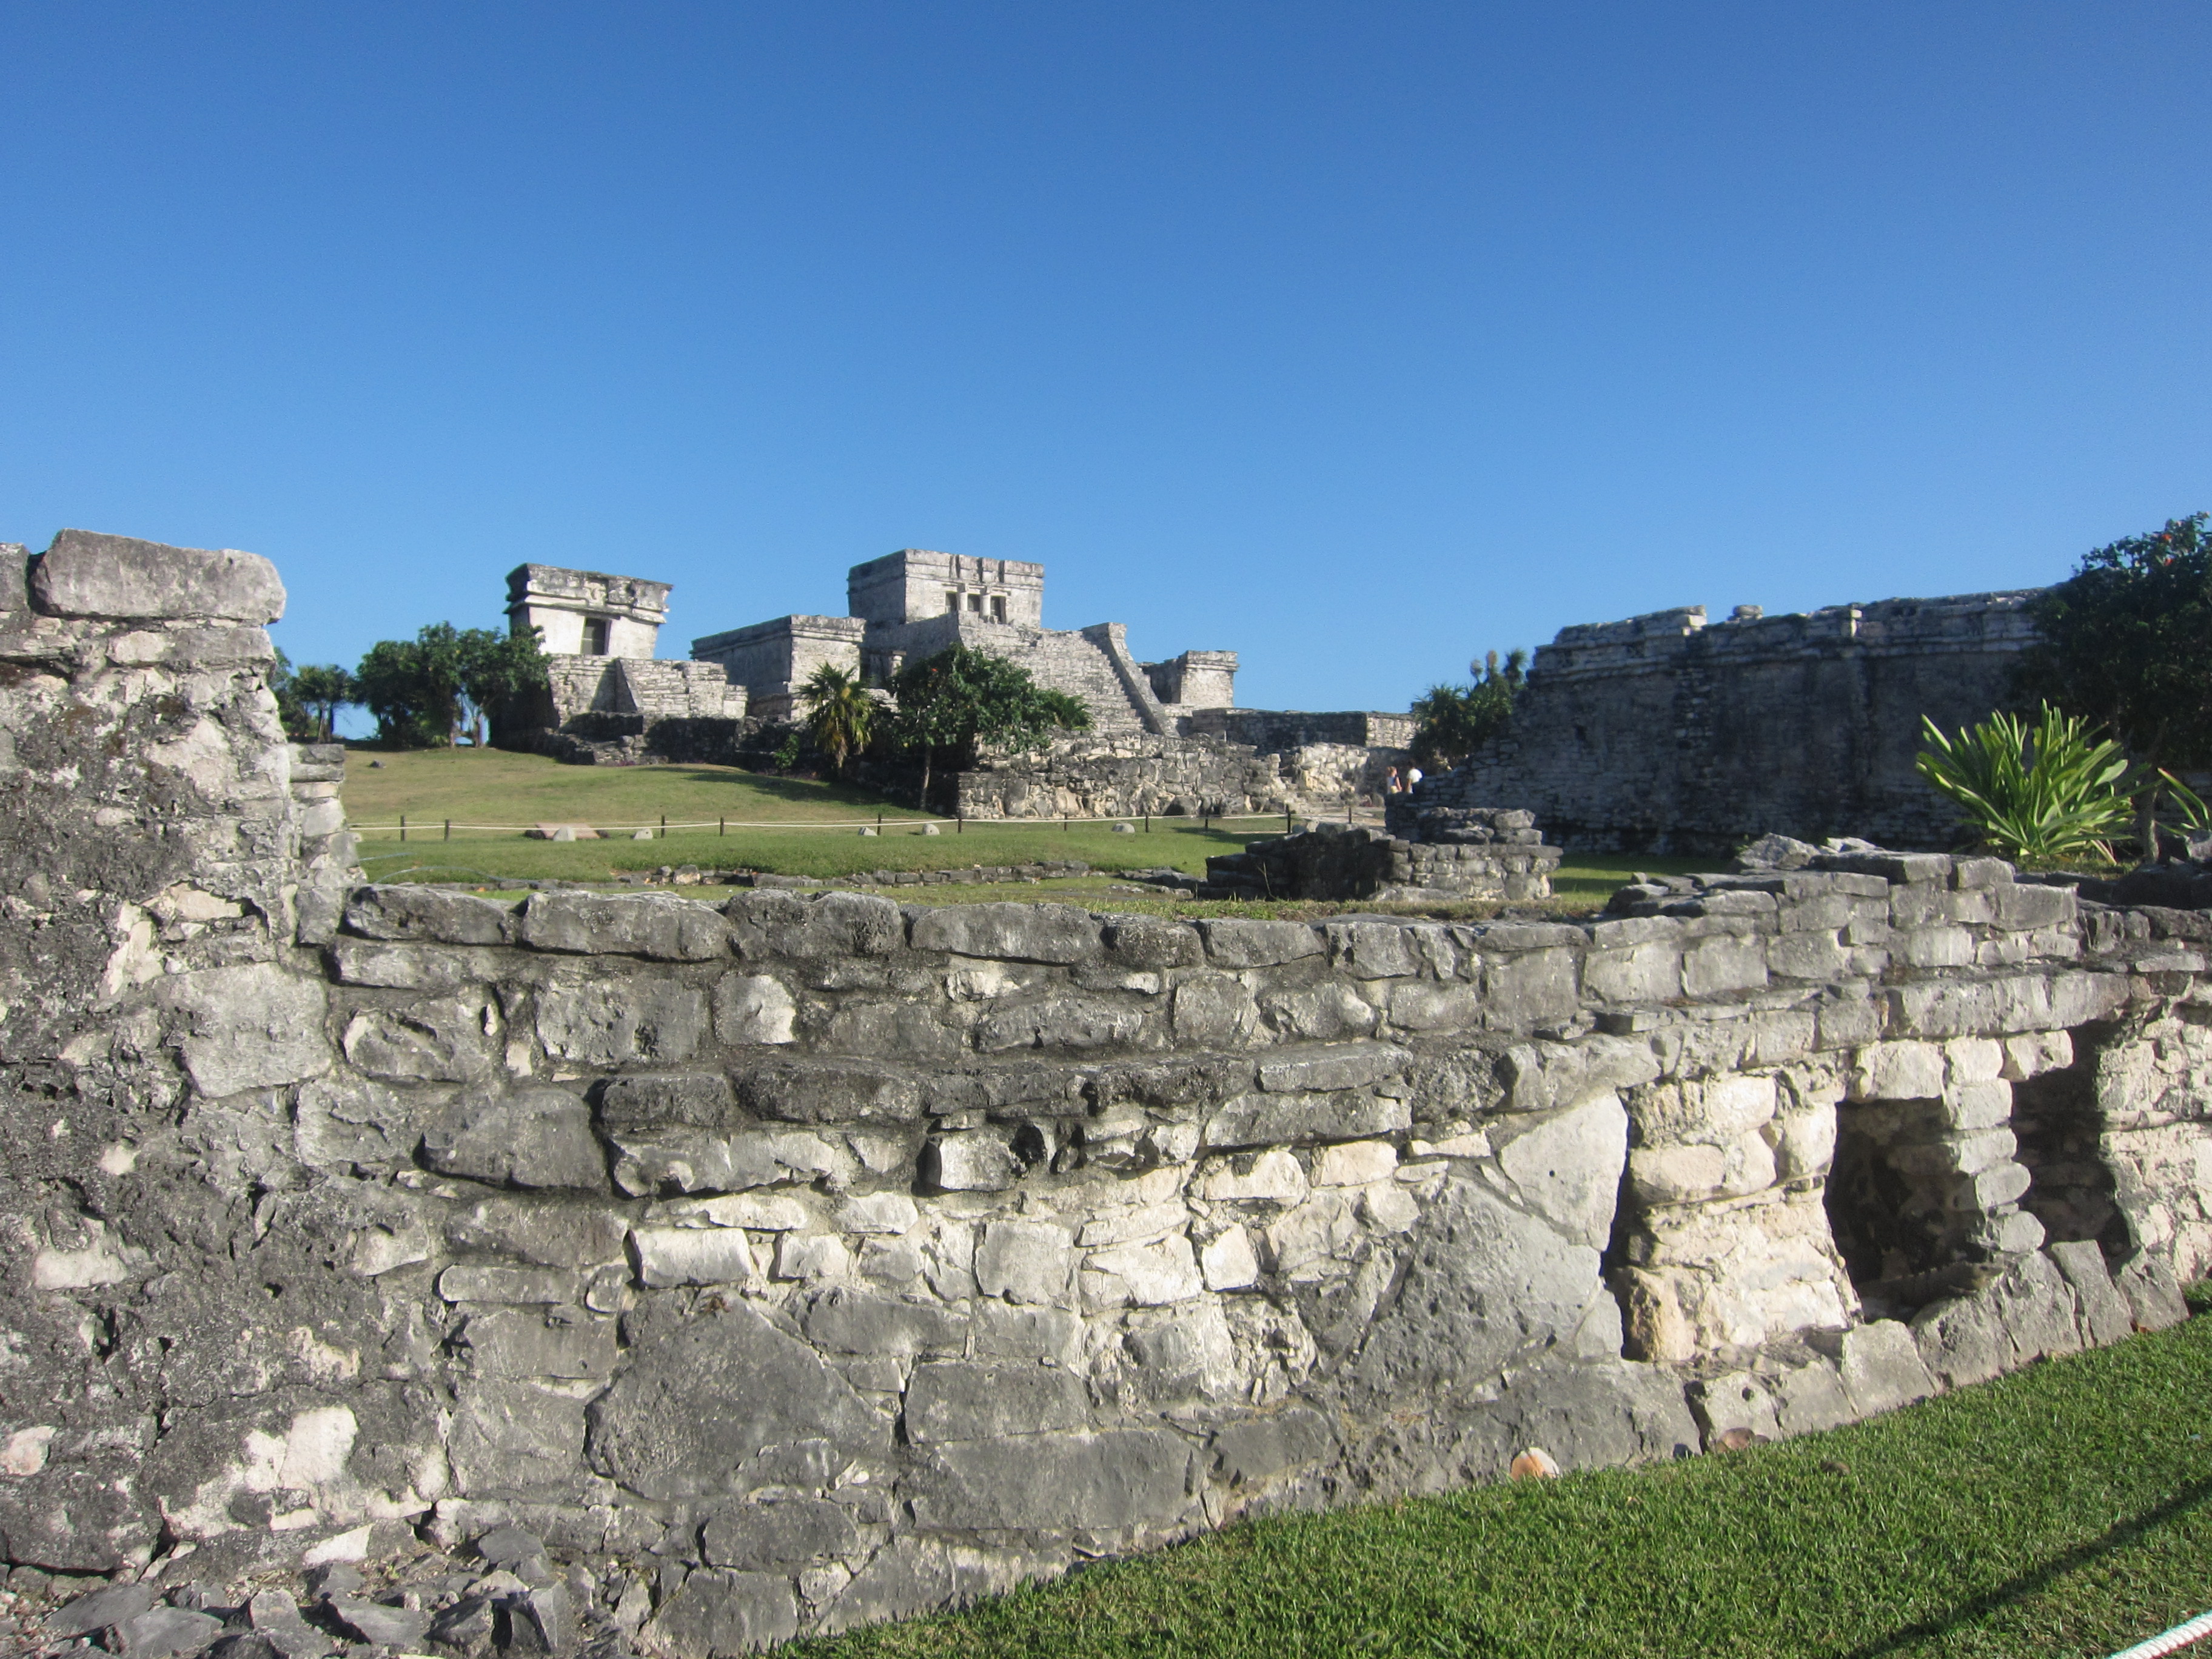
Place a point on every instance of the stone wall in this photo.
(1098, 774)
(815, 1260)
(1664, 733)
(1502, 857)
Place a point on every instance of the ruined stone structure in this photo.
(723, 1274)
(1666, 733)
(1480, 855)
(914, 603)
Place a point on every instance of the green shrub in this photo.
(2036, 796)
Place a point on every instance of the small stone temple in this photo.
(913, 604)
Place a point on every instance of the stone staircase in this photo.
(1069, 662)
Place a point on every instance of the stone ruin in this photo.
(1164, 737)
(1668, 733)
(399, 1264)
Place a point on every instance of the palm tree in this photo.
(840, 713)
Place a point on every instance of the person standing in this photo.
(1412, 779)
(1392, 783)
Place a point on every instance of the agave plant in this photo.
(2192, 814)
(2037, 796)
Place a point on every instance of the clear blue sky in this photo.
(1356, 337)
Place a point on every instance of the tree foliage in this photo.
(1452, 721)
(2127, 641)
(426, 691)
(841, 714)
(322, 688)
(2036, 796)
(960, 702)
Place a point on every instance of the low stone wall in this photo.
(815, 1260)
(1502, 858)
(1125, 774)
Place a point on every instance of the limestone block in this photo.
(956, 1400)
(651, 1100)
(653, 925)
(973, 1161)
(1026, 1261)
(1387, 1208)
(531, 1137)
(428, 915)
(1934, 947)
(815, 927)
(2026, 907)
(1723, 962)
(514, 1438)
(621, 1022)
(1813, 956)
(1418, 1006)
(252, 1026)
(1675, 1174)
(1338, 1065)
(83, 574)
(1714, 1113)
(2105, 1314)
(1138, 1223)
(1059, 1023)
(1303, 1243)
(691, 1255)
(1973, 1060)
(1566, 1166)
(878, 1213)
(2036, 1053)
(2151, 1292)
(1733, 1399)
(515, 1342)
(470, 1282)
(788, 1532)
(1140, 1275)
(1882, 1369)
(1369, 950)
(431, 1040)
(1054, 934)
(1275, 1176)
(1004, 1331)
(702, 1160)
(1260, 1448)
(892, 1030)
(829, 1091)
(752, 1008)
(700, 1397)
(1261, 1120)
(911, 1574)
(1978, 1106)
(1810, 1398)
(718, 1614)
(1320, 1013)
(1354, 1163)
(1237, 944)
(1650, 972)
(1152, 942)
(1522, 990)
(1804, 1142)
(812, 1256)
(1227, 1263)
(1123, 1478)
(1215, 1010)
(855, 1321)
(1898, 1071)
(1972, 1152)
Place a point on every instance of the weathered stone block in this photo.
(717, 1615)
(533, 1136)
(964, 1402)
(1122, 1478)
(621, 1022)
(1723, 963)
(253, 1026)
(1236, 944)
(515, 1343)
(1215, 1010)
(692, 1256)
(1262, 1119)
(83, 574)
(973, 1161)
(752, 1008)
(855, 1321)
(1882, 1369)
(788, 1532)
(1264, 1447)
(403, 911)
(700, 1397)
(513, 1439)
(1026, 1261)
(1055, 934)
(653, 925)
(828, 1091)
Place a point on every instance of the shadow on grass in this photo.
(2036, 1579)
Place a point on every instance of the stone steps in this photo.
(1070, 662)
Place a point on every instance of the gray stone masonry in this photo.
(1666, 733)
(1476, 855)
(687, 1277)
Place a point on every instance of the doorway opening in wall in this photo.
(1898, 1208)
(595, 636)
(2071, 1189)
(998, 607)
(975, 604)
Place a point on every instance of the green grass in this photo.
(2062, 1510)
(494, 788)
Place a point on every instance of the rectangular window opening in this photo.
(595, 636)
(976, 603)
(951, 603)
(998, 607)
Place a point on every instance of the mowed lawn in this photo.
(2060, 1511)
(492, 787)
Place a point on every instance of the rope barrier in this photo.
(2170, 1641)
(887, 825)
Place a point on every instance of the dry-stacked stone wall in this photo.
(734, 1272)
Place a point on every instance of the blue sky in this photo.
(1356, 339)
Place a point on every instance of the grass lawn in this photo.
(495, 787)
(2059, 1511)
